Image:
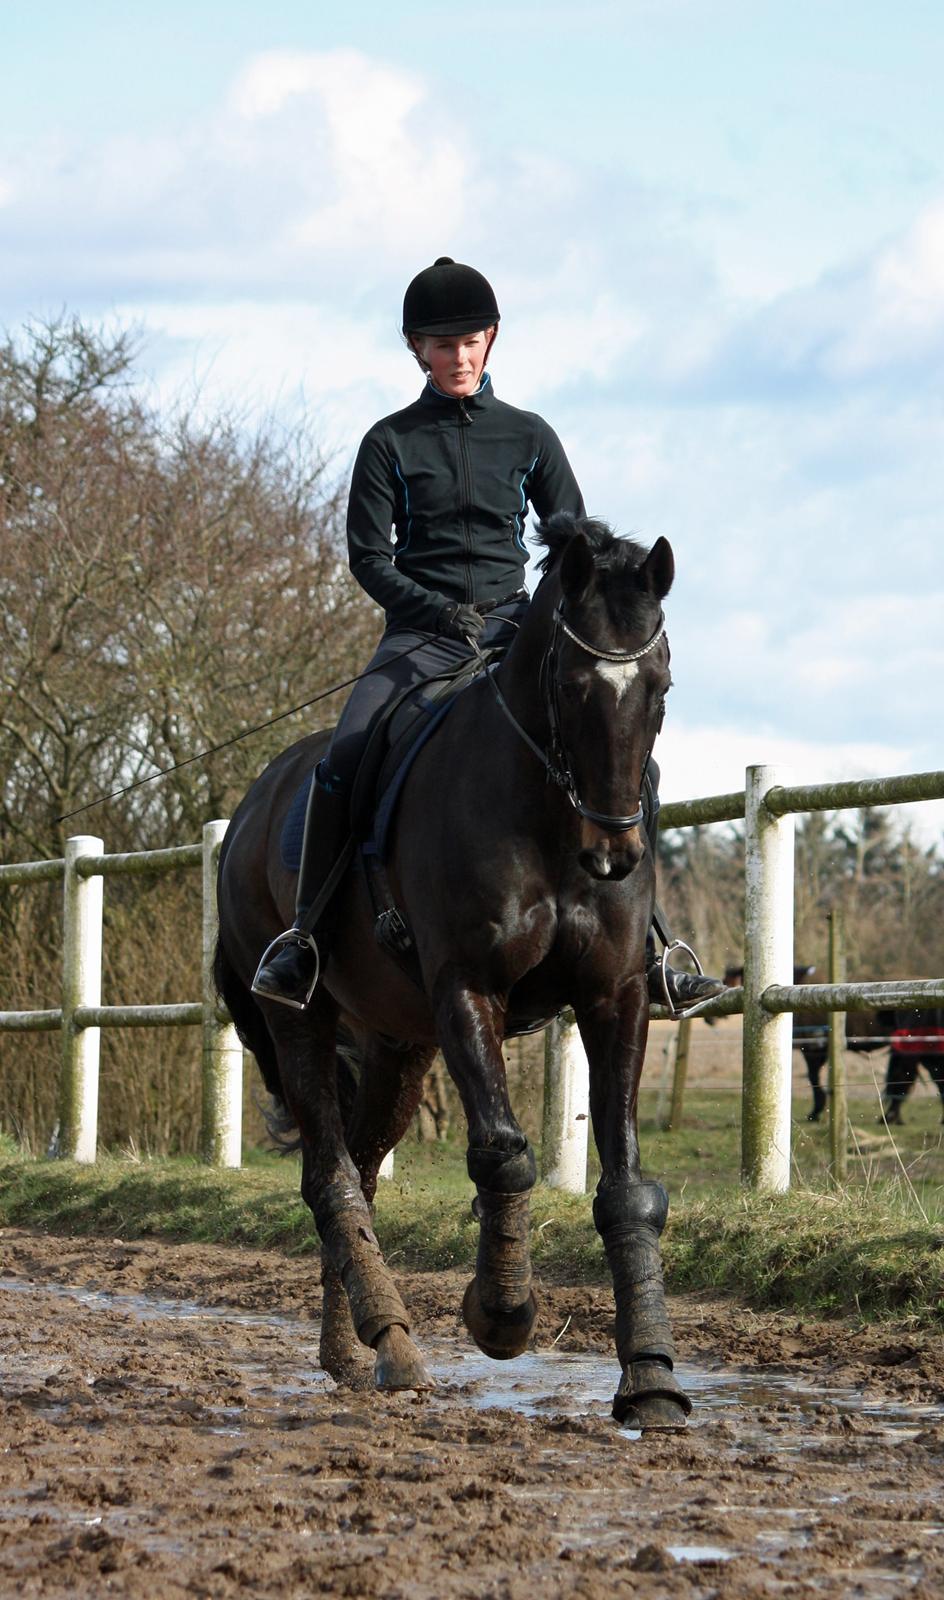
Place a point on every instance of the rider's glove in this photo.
(460, 622)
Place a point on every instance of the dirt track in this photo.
(154, 1446)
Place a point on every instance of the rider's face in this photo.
(456, 362)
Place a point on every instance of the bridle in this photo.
(557, 763)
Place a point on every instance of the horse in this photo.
(520, 862)
(914, 1038)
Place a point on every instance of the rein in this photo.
(558, 764)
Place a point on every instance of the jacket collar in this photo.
(445, 403)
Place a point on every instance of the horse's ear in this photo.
(576, 568)
(658, 569)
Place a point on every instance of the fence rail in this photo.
(81, 1016)
(767, 807)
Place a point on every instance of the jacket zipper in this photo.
(466, 474)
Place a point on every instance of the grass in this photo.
(875, 1248)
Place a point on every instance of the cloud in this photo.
(696, 762)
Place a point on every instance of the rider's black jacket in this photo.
(453, 479)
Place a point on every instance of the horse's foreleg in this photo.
(499, 1307)
(630, 1214)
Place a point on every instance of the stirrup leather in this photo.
(290, 936)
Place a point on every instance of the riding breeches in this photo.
(402, 659)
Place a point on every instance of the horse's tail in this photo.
(248, 1020)
(254, 1035)
(280, 1124)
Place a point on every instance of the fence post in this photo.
(673, 1117)
(768, 958)
(221, 1126)
(81, 986)
(566, 1107)
(838, 1108)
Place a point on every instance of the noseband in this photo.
(557, 764)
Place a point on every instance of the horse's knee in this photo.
(502, 1171)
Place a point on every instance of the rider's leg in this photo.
(289, 974)
(685, 988)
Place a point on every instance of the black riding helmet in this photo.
(449, 298)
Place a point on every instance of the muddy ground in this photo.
(165, 1432)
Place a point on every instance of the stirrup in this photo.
(664, 968)
(290, 936)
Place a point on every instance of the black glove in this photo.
(460, 622)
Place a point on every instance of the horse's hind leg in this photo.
(499, 1307)
(389, 1089)
(331, 1184)
(630, 1214)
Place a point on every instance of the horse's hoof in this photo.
(499, 1334)
(398, 1363)
(813, 1116)
(650, 1397)
(356, 1375)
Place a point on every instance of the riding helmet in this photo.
(449, 298)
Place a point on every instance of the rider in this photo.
(453, 475)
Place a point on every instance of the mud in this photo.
(165, 1431)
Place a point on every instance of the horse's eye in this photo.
(573, 691)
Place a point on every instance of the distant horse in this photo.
(520, 863)
(811, 1034)
(915, 1038)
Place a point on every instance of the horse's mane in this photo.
(610, 549)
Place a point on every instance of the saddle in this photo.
(398, 735)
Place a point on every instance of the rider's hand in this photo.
(460, 622)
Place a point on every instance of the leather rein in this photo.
(558, 764)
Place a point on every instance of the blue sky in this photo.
(716, 229)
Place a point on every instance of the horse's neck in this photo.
(519, 674)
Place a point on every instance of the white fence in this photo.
(81, 1016)
(767, 806)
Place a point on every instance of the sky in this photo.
(716, 232)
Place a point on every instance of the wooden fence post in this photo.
(81, 986)
(672, 1118)
(838, 1107)
(768, 959)
(566, 1119)
(222, 1117)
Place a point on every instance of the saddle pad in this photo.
(387, 805)
(293, 828)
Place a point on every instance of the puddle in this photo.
(546, 1383)
(772, 1413)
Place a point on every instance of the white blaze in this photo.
(619, 673)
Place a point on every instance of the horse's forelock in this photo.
(616, 562)
(610, 551)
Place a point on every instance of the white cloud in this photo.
(697, 762)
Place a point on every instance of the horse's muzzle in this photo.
(612, 857)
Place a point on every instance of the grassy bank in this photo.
(867, 1251)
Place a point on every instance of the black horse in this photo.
(521, 864)
(810, 1035)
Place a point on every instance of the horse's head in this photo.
(606, 677)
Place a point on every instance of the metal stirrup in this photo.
(290, 936)
(664, 969)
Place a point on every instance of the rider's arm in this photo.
(370, 516)
(552, 485)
